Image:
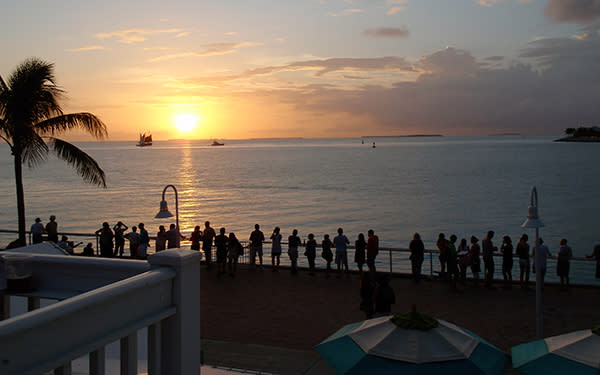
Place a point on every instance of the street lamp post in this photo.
(533, 221)
(164, 209)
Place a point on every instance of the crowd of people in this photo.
(455, 259)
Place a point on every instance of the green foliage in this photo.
(414, 320)
(596, 330)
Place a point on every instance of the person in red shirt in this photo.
(372, 250)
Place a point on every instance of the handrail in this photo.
(156, 294)
(64, 330)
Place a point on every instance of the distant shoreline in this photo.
(582, 139)
(402, 136)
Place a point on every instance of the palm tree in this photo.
(30, 120)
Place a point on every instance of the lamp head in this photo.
(164, 211)
(532, 220)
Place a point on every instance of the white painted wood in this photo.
(154, 348)
(98, 362)
(181, 332)
(129, 354)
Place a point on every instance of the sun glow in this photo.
(186, 122)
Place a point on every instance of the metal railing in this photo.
(396, 260)
(95, 308)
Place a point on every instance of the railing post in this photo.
(431, 264)
(180, 333)
(4, 306)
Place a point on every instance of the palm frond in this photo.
(35, 151)
(65, 122)
(32, 93)
(3, 86)
(84, 164)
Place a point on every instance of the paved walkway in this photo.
(271, 321)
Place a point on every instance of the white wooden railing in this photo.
(102, 301)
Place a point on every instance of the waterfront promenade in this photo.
(271, 321)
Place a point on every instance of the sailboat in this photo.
(145, 140)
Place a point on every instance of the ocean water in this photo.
(460, 185)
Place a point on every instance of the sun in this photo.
(186, 122)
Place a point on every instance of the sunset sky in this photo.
(316, 68)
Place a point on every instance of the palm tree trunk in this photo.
(20, 198)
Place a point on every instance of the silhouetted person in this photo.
(106, 240)
(142, 252)
(341, 250)
(462, 251)
(372, 250)
(275, 248)
(544, 254)
(523, 254)
(293, 243)
(256, 246)
(596, 255)
(196, 238)
(88, 250)
(221, 241)
(563, 263)
(442, 245)
(488, 250)
(52, 229)
(507, 260)
(207, 241)
(134, 241)
(173, 237)
(384, 297)
(367, 290)
(234, 250)
(326, 252)
(360, 247)
(161, 238)
(119, 230)
(474, 252)
(37, 231)
(311, 252)
(417, 255)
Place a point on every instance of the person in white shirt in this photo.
(37, 229)
(544, 254)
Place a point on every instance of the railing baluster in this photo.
(154, 351)
(129, 354)
(4, 306)
(33, 303)
(97, 362)
(63, 370)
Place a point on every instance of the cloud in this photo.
(212, 49)
(488, 3)
(573, 11)
(394, 10)
(181, 35)
(449, 98)
(388, 32)
(86, 48)
(136, 35)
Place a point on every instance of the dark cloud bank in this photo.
(556, 85)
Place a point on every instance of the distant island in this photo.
(581, 134)
(401, 136)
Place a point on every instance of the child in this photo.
(326, 253)
(311, 252)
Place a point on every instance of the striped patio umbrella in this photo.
(398, 345)
(572, 354)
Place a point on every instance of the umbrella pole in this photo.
(538, 286)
